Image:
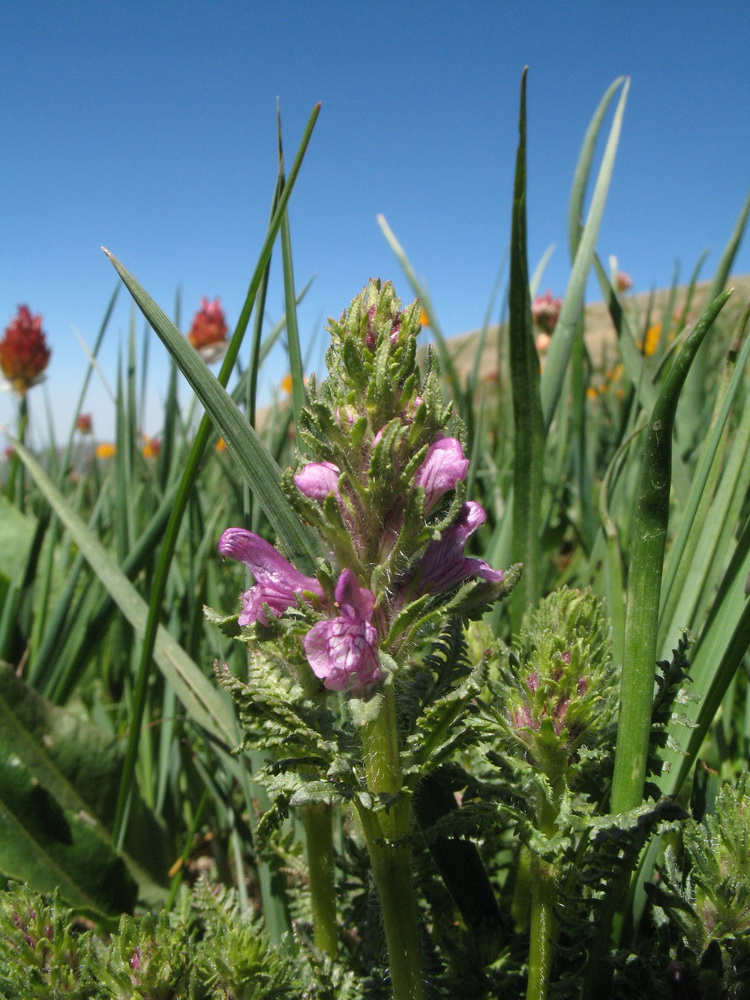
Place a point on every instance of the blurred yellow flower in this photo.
(286, 384)
(423, 319)
(591, 392)
(221, 445)
(105, 450)
(651, 341)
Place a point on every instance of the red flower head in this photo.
(84, 423)
(23, 351)
(209, 330)
(545, 311)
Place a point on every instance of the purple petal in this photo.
(277, 582)
(356, 602)
(444, 565)
(317, 479)
(343, 653)
(444, 466)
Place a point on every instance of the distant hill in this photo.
(599, 332)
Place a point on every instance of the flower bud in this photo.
(558, 691)
(442, 469)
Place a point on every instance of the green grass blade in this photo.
(720, 651)
(527, 407)
(644, 579)
(694, 398)
(583, 170)
(696, 514)
(201, 699)
(560, 346)
(444, 353)
(290, 304)
(243, 443)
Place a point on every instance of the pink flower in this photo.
(545, 311)
(444, 564)
(23, 351)
(623, 281)
(343, 651)
(277, 582)
(441, 470)
(209, 330)
(317, 479)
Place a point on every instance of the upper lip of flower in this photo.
(444, 564)
(277, 582)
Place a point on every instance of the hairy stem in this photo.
(392, 872)
(386, 832)
(317, 819)
(542, 878)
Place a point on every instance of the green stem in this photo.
(543, 927)
(317, 819)
(386, 832)
(16, 466)
(392, 872)
(542, 876)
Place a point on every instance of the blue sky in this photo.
(149, 127)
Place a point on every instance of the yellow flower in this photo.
(286, 384)
(221, 445)
(591, 392)
(651, 341)
(423, 319)
(105, 450)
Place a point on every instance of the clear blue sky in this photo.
(149, 127)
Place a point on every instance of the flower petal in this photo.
(444, 466)
(277, 582)
(317, 479)
(444, 565)
(343, 653)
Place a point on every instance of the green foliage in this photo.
(197, 954)
(705, 890)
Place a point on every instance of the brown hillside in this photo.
(599, 332)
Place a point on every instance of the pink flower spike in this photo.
(277, 582)
(317, 479)
(444, 565)
(343, 652)
(441, 470)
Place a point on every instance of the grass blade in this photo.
(560, 347)
(527, 407)
(644, 579)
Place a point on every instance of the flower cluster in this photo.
(209, 330)
(557, 694)
(384, 487)
(24, 353)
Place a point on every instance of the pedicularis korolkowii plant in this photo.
(549, 720)
(383, 483)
